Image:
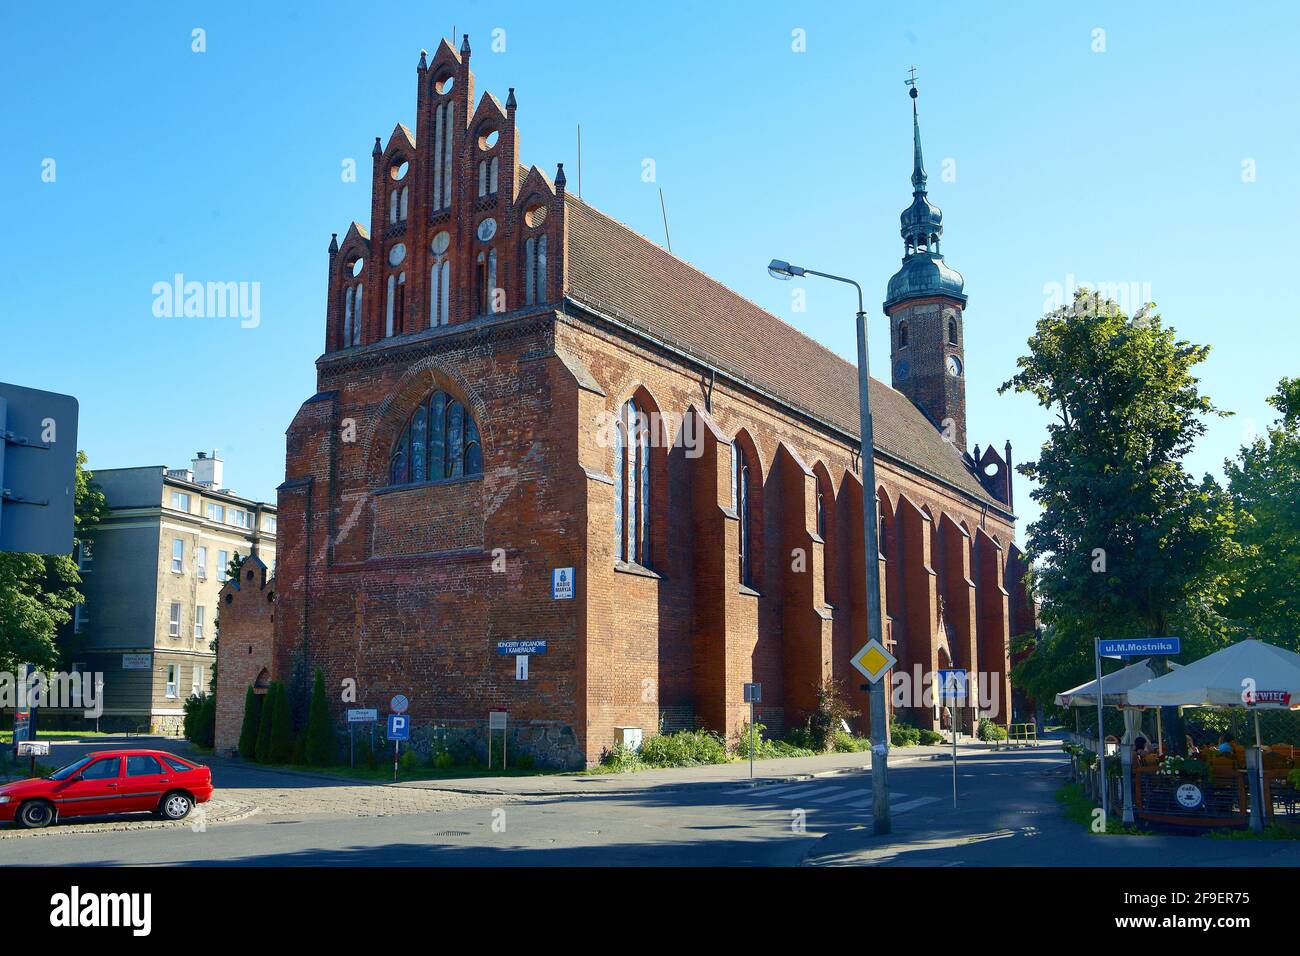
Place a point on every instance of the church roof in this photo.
(614, 270)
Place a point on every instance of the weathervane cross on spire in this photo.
(911, 79)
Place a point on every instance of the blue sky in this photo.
(1121, 166)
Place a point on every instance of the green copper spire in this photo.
(918, 164)
(924, 272)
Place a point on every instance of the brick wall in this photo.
(244, 653)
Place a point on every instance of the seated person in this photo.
(1225, 743)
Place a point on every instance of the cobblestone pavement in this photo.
(259, 795)
(361, 800)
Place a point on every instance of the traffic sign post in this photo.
(399, 729)
(1121, 648)
(38, 468)
(33, 749)
(753, 695)
(359, 715)
(873, 662)
(952, 690)
(497, 721)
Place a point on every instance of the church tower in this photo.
(924, 304)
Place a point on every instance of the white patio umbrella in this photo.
(1115, 687)
(1248, 674)
(1115, 691)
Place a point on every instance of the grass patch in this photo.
(383, 773)
(7, 736)
(1079, 807)
(1275, 832)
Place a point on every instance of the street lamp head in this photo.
(783, 270)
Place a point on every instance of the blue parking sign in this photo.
(399, 727)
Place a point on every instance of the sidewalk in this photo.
(1008, 816)
(779, 770)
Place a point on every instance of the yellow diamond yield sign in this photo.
(873, 660)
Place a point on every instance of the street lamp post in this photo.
(877, 691)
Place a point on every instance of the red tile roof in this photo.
(618, 272)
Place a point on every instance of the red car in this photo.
(109, 781)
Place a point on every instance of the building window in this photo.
(902, 334)
(440, 281)
(740, 500)
(535, 270)
(439, 441)
(178, 556)
(200, 612)
(223, 562)
(181, 501)
(217, 513)
(201, 562)
(390, 301)
(632, 485)
(488, 174)
(174, 622)
(268, 524)
(486, 283)
(80, 619)
(196, 684)
(240, 518)
(171, 681)
(444, 123)
(821, 515)
(352, 315)
(952, 332)
(85, 555)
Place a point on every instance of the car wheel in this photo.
(36, 814)
(175, 806)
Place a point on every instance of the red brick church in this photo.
(514, 384)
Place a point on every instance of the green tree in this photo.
(248, 730)
(38, 592)
(1128, 543)
(1264, 486)
(322, 745)
(281, 727)
(264, 722)
(232, 567)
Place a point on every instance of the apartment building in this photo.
(151, 583)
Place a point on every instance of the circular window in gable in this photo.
(443, 84)
(397, 254)
(535, 216)
(399, 170)
(357, 265)
(441, 243)
(488, 138)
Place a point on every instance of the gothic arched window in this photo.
(632, 485)
(440, 280)
(438, 442)
(488, 176)
(486, 279)
(535, 270)
(952, 331)
(740, 478)
(352, 302)
(444, 121)
(902, 334)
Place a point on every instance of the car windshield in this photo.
(63, 773)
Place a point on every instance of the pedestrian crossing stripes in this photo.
(855, 795)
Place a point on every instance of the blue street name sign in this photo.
(1139, 646)
(515, 648)
(399, 727)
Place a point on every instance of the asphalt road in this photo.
(1006, 815)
